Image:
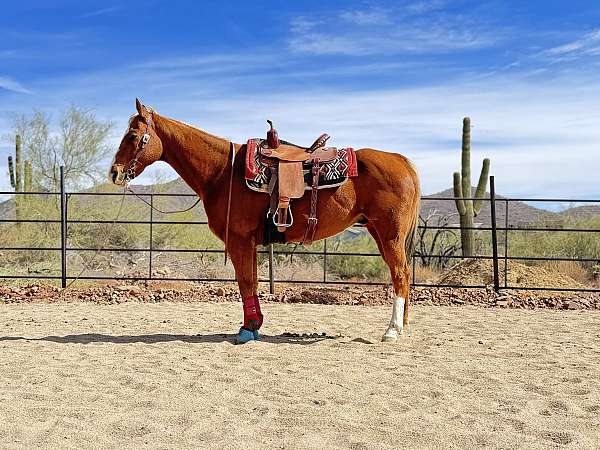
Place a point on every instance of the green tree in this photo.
(78, 141)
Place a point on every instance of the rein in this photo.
(139, 197)
(130, 172)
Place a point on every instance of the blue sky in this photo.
(397, 76)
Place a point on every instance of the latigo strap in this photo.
(311, 229)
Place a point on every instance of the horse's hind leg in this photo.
(392, 249)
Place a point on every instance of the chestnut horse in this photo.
(385, 196)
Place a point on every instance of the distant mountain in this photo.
(581, 212)
(519, 213)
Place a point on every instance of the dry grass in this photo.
(424, 274)
(571, 269)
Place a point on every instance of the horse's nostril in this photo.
(114, 176)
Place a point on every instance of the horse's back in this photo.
(385, 168)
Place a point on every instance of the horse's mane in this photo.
(180, 122)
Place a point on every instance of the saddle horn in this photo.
(272, 136)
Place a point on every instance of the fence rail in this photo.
(496, 257)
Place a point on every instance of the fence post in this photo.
(151, 220)
(505, 242)
(271, 277)
(494, 234)
(325, 261)
(63, 229)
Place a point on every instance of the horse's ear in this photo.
(141, 109)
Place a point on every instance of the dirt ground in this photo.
(165, 375)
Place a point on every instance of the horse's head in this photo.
(139, 148)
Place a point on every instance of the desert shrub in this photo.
(33, 235)
(567, 244)
(358, 267)
(435, 247)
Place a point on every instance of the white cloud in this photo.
(393, 31)
(543, 139)
(588, 44)
(362, 18)
(12, 85)
(424, 6)
(101, 12)
(543, 136)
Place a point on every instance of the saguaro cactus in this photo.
(468, 208)
(20, 175)
(15, 170)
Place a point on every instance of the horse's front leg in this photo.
(243, 256)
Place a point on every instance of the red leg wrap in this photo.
(253, 318)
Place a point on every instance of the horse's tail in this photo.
(411, 238)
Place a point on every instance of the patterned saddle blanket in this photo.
(334, 173)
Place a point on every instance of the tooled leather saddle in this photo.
(285, 171)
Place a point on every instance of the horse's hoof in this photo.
(245, 336)
(391, 335)
(256, 335)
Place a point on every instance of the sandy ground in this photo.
(82, 375)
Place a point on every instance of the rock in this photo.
(165, 271)
(129, 288)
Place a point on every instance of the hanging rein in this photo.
(130, 173)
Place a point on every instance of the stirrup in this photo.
(283, 225)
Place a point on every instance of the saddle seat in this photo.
(291, 153)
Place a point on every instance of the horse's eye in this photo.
(132, 137)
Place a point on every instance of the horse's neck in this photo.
(197, 156)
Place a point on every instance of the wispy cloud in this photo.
(366, 18)
(424, 6)
(12, 85)
(417, 28)
(586, 45)
(101, 12)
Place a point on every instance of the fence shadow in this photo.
(91, 338)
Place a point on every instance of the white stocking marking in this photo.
(395, 328)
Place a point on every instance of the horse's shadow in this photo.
(90, 338)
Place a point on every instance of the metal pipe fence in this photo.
(325, 253)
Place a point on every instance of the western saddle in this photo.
(288, 180)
